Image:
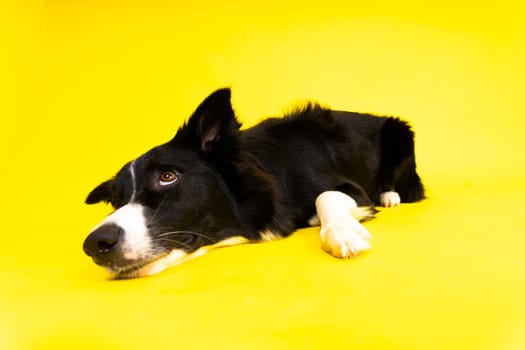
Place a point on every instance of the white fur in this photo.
(136, 243)
(133, 180)
(178, 256)
(341, 234)
(314, 221)
(390, 199)
(268, 236)
(174, 258)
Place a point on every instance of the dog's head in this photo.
(178, 197)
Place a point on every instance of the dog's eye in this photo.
(168, 178)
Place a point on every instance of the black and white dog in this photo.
(214, 185)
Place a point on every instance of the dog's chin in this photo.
(149, 266)
(160, 262)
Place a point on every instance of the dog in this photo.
(216, 185)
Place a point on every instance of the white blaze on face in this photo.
(133, 180)
(135, 243)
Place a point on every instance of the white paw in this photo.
(390, 199)
(346, 240)
(314, 221)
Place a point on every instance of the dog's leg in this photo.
(397, 177)
(341, 233)
(361, 214)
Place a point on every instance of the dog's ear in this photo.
(212, 122)
(103, 192)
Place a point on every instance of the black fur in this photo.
(267, 177)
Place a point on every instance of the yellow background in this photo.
(89, 85)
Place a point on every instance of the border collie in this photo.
(215, 185)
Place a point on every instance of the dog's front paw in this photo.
(345, 241)
(314, 221)
(390, 199)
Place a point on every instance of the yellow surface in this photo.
(88, 85)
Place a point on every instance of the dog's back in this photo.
(314, 150)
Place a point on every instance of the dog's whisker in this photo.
(170, 233)
(174, 241)
(157, 210)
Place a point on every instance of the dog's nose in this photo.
(101, 242)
